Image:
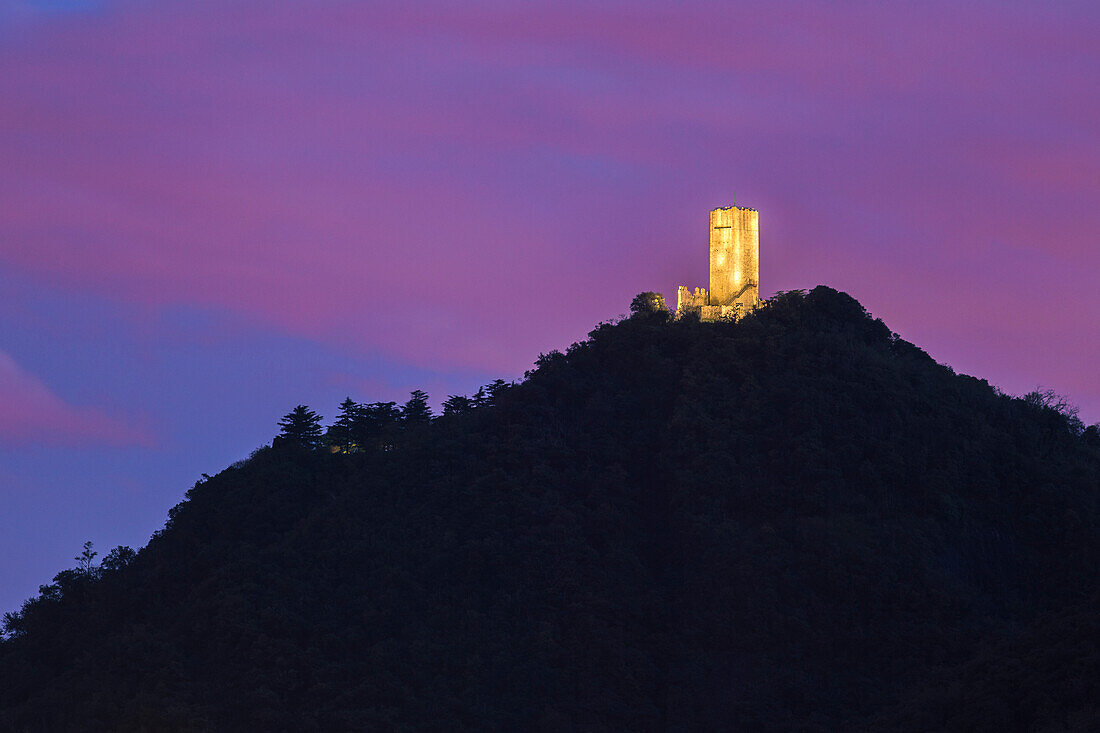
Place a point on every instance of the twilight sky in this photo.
(213, 210)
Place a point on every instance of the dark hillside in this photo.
(797, 521)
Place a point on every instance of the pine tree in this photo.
(416, 410)
(341, 435)
(301, 426)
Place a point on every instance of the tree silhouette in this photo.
(375, 424)
(416, 410)
(118, 558)
(457, 404)
(494, 389)
(301, 426)
(85, 559)
(1048, 399)
(341, 434)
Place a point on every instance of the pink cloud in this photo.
(31, 414)
(465, 187)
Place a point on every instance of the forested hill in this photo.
(797, 521)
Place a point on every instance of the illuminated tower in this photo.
(734, 257)
(734, 267)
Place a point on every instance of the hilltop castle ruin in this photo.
(734, 268)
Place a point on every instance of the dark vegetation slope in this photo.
(794, 522)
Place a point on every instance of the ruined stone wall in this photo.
(734, 257)
(688, 299)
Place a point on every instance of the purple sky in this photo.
(213, 210)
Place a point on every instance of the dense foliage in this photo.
(797, 521)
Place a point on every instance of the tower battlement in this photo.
(734, 267)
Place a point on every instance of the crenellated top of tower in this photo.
(731, 206)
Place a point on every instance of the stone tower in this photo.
(734, 267)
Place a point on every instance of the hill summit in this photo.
(793, 521)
